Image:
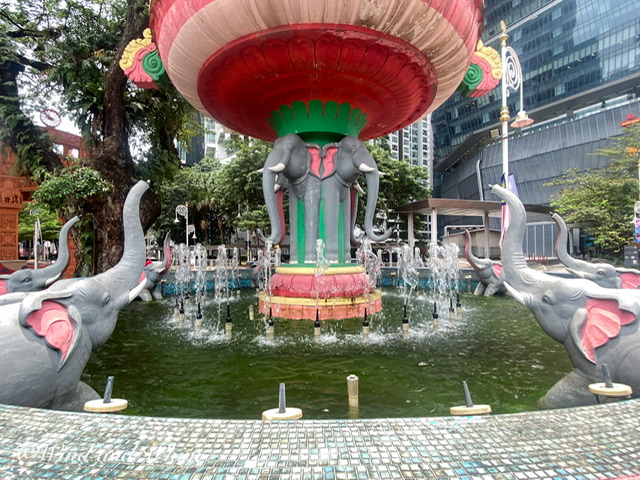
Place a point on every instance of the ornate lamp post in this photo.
(511, 79)
(37, 234)
(183, 211)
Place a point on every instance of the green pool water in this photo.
(495, 345)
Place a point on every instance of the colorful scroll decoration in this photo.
(484, 73)
(142, 64)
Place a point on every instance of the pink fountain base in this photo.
(296, 293)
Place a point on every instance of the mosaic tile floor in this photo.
(589, 443)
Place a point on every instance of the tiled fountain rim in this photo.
(601, 441)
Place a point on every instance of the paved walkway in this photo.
(588, 443)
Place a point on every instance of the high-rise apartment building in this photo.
(413, 143)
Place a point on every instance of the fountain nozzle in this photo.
(608, 382)
(108, 391)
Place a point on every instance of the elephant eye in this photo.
(25, 280)
(546, 299)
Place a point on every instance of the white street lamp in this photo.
(511, 79)
(183, 211)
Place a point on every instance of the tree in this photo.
(220, 197)
(400, 183)
(602, 200)
(72, 49)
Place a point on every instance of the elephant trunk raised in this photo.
(154, 271)
(595, 325)
(124, 277)
(29, 280)
(46, 337)
(488, 273)
(603, 274)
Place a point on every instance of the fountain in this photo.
(317, 81)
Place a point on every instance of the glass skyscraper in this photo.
(566, 48)
(581, 67)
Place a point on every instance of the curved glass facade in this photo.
(566, 47)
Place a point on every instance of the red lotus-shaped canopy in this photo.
(260, 66)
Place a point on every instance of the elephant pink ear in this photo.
(52, 322)
(604, 319)
(630, 280)
(316, 160)
(497, 269)
(3, 287)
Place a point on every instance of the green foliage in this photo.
(70, 187)
(400, 184)
(49, 223)
(219, 197)
(602, 200)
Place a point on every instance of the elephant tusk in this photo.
(382, 174)
(358, 188)
(277, 168)
(137, 290)
(277, 187)
(260, 170)
(366, 168)
(51, 280)
(515, 294)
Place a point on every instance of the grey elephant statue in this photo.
(339, 192)
(489, 273)
(29, 280)
(46, 338)
(291, 159)
(603, 274)
(596, 325)
(154, 271)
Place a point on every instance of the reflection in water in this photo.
(167, 370)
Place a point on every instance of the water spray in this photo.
(270, 326)
(181, 314)
(436, 321)
(228, 326)
(405, 320)
(199, 320)
(452, 310)
(365, 325)
(317, 330)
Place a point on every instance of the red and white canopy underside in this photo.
(238, 60)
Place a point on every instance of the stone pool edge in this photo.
(595, 442)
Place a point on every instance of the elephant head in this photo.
(489, 274)
(353, 159)
(290, 159)
(603, 274)
(596, 325)
(29, 280)
(154, 271)
(46, 338)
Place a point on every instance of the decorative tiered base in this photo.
(295, 292)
